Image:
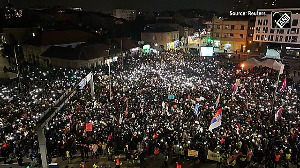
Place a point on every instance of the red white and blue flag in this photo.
(238, 128)
(216, 120)
(70, 117)
(283, 85)
(278, 114)
(235, 87)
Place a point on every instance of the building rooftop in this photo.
(61, 37)
(81, 52)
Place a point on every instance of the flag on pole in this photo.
(247, 104)
(70, 116)
(278, 114)
(126, 111)
(196, 108)
(218, 100)
(235, 87)
(283, 85)
(238, 128)
(216, 120)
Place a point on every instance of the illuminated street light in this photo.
(243, 65)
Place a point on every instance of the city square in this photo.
(224, 94)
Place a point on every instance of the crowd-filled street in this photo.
(155, 107)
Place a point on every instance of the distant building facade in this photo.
(19, 35)
(82, 55)
(288, 40)
(33, 48)
(232, 35)
(126, 14)
(165, 38)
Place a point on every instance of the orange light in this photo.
(243, 65)
(250, 42)
(244, 46)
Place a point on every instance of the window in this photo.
(295, 22)
(231, 35)
(270, 38)
(294, 38)
(257, 37)
(250, 35)
(257, 29)
(232, 27)
(225, 34)
(259, 22)
(241, 35)
(218, 27)
(161, 38)
(226, 26)
(293, 30)
(242, 27)
(217, 35)
(154, 37)
(265, 29)
(280, 31)
(272, 30)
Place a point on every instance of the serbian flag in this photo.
(235, 88)
(218, 100)
(216, 120)
(196, 108)
(70, 116)
(238, 128)
(283, 85)
(278, 114)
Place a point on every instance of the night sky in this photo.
(109, 5)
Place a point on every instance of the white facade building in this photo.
(125, 14)
(264, 33)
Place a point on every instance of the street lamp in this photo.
(108, 63)
(243, 65)
(17, 64)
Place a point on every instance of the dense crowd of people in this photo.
(23, 103)
(133, 112)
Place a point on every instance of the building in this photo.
(286, 40)
(126, 14)
(184, 30)
(82, 55)
(19, 35)
(34, 47)
(162, 38)
(233, 34)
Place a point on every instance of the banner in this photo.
(89, 126)
(82, 84)
(212, 155)
(193, 153)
